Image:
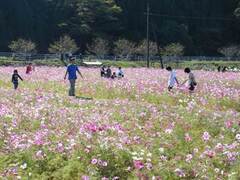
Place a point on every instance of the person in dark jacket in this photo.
(103, 71)
(15, 77)
(109, 72)
(114, 75)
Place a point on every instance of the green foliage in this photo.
(64, 45)
(174, 49)
(206, 65)
(142, 48)
(230, 51)
(94, 17)
(44, 20)
(22, 46)
(123, 47)
(99, 47)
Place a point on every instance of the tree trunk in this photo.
(62, 60)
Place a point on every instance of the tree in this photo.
(142, 48)
(99, 47)
(98, 15)
(230, 51)
(124, 47)
(93, 18)
(85, 19)
(64, 45)
(22, 46)
(237, 10)
(173, 49)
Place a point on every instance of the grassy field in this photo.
(197, 65)
(131, 129)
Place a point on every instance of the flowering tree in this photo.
(142, 48)
(124, 47)
(230, 51)
(64, 45)
(22, 46)
(174, 49)
(99, 47)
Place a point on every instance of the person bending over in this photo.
(191, 80)
(172, 80)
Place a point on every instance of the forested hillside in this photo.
(202, 26)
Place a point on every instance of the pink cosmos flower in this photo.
(86, 150)
(39, 154)
(238, 137)
(116, 178)
(104, 163)
(195, 150)
(100, 162)
(38, 140)
(149, 166)
(219, 147)
(180, 172)
(128, 168)
(206, 136)
(85, 178)
(210, 153)
(60, 147)
(94, 161)
(138, 164)
(229, 124)
(168, 131)
(92, 127)
(232, 156)
(188, 138)
(189, 158)
(105, 178)
(163, 158)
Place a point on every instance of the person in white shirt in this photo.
(172, 78)
(120, 72)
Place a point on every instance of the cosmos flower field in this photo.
(132, 128)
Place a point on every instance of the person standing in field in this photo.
(29, 68)
(172, 78)
(72, 70)
(109, 72)
(15, 77)
(191, 80)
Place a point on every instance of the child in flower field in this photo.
(114, 75)
(120, 73)
(172, 78)
(191, 79)
(15, 77)
(72, 70)
(29, 68)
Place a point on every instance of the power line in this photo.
(148, 14)
(192, 17)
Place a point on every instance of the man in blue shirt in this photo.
(72, 70)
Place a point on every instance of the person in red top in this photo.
(29, 68)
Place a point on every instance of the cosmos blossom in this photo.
(206, 136)
(132, 127)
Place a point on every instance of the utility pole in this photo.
(148, 58)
